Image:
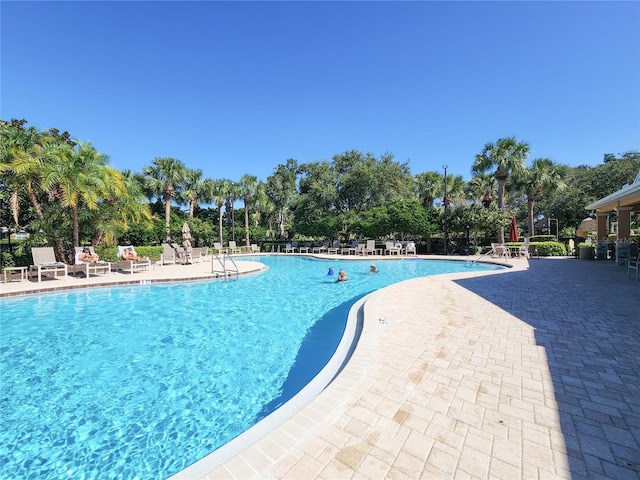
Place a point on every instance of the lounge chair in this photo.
(335, 248)
(182, 254)
(370, 248)
(321, 249)
(290, 247)
(350, 250)
(254, 248)
(44, 262)
(392, 248)
(195, 254)
(168, 255)
(131, 265)
(500, 250)
(98, 268)
(306, 248)
(410, 247)
(218, 248)
(233, 248)
(204, 253)
(361, 249)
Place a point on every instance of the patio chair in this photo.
(254, 248)
(350, 250)
(370, 249)
(393, 248)
(361, 249)
(168, 255)
(335, 248)
(98, 268)
(290, 247)
(306, 248)
(410, 247)
(321, 249)
(218, 248)
(44, 262)
(500, 250)
(182, 254)
(131, 266)
(233, 248)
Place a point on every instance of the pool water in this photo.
(142, 381)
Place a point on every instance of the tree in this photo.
(542, 179)
(219, 193)
(428, 185)
(482, 188)
(164, 178)
(248, 184)
(507, 156)
(281, 189)
(79, 177)
(192, 191)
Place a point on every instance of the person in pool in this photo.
(373, 269)
(342, 277)
(330, 272)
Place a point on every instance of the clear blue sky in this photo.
(240, 87)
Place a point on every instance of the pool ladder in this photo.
(228, 273)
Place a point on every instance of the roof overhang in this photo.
(627, 196)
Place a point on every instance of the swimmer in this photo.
(342, 277)
(330, 272)
(373, 269)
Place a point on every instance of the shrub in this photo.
(551, 249)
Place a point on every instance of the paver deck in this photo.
(533, 372)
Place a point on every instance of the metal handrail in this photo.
(223, 263)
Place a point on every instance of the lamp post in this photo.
(446, 233)
(553, 220)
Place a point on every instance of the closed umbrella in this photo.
(513, 234)
(186, 235)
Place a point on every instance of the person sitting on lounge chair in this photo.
(87, 257)
(127, 254)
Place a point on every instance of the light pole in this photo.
(446, 233)
(554, 220)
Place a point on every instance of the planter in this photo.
(585, 253)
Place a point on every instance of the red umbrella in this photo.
(513, 234)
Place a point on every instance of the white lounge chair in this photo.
(98, 268)
(393, 248)
(131, 265)
(233, 248)
(410, 247)
(44, 262)
(370, 249)
(254, 248)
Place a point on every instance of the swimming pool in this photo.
(142, 381)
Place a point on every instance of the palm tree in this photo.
(428, 185)
(507, 156)
(78, 178)
(219, 189)
(482, 188)
(164, 177)
(234, 192)
(192, 189)
(249, 184)
(543, 178)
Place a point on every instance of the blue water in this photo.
(142, 381)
